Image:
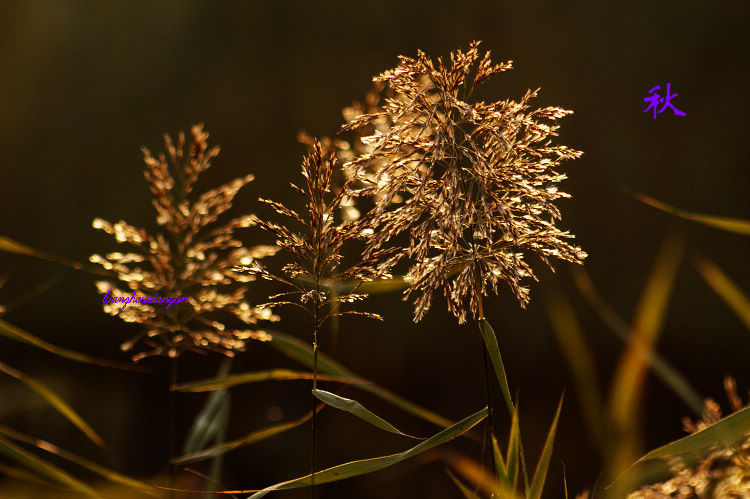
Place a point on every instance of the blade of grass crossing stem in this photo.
(364, 466)
(357, 409)
(736, 225)
(580, 361)
(302, 353)
(465, 491)
(673, 379)
(477, 475)
(56, 402)
(540, 474)
(723, 286)
(106, 473)
(255, 377)
(17, 334)
(206, 423)
(44, 468)
(255, 436)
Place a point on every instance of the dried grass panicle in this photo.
(473, 184)
(314, 269)
(725, 472)
(195, 257)
(346, 147)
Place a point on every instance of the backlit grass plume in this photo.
(478, 180)
(313, 273)
(194, 257)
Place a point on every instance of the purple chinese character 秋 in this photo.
(655, 99)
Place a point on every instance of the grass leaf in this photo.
(302, 353)
(55, 401)
(540, 474)
(204, 428)
(255, 377)
(106, 473)
(725, 288)
(356, 468)
(493, 349)
(15, 333)
(354, 407)
(10, 246)
(736, 225)
(44, 468)
(255, 436)
(467, 493)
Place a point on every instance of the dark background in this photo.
(84, 84)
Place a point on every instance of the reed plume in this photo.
(477, 181)
(313, 275)
(195, 256)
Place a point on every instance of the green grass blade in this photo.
(55, 401)
(106, 473)
(672, 378)
(217, 463)
(540, 474)
(17, 334)
(736, 225)
(465, 491)
(691, 449)
(501, 469)
(357, 468)
(302, 353)
(493, 349)
(10, 246)
(630, 375)
(256, 436)
(514, 457)
(255, 377)
(357, 409)
(44, 468)
(725, 288)
(204, 427)
(580, 362)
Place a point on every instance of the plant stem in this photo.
(172, 425)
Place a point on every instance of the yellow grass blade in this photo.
(725, 288)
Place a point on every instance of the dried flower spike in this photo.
(196, 258)
(313, 274)
(478, 181)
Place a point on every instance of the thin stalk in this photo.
(172, 426)
(488, 393)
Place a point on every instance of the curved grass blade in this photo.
(204, 426)
(580, 362)
(493, 349)
(255, 377)
(356, 468)
(302, 353)
(256, 436)
(736, 225)
(663, 369)
(630, 376)
(22, 475)
(55, 402)
(468, 494)
(540, 474)
(44, 468)
(106, 473)
(725, 288)
(354, 407)
(694, 448)
(15, 333)
(514, 457)
(475, 474)
(10, 246)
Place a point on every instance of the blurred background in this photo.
(85, 84)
